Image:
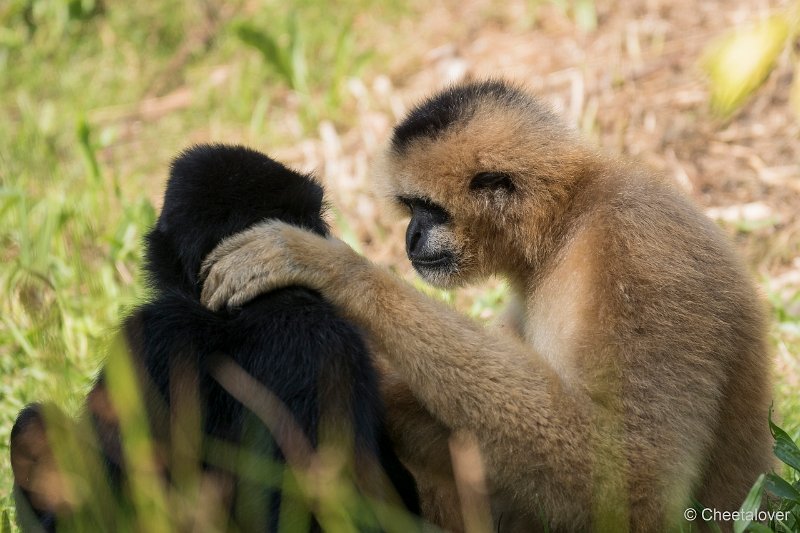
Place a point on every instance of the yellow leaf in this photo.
(738, 62)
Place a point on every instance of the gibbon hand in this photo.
(268, 256)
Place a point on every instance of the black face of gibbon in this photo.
(423, 246)
(429, 234)
(290, 340)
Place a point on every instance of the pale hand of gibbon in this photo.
(267, 256)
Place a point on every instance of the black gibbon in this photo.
(294, 344)
(630, 375)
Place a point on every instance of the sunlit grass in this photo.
(73, 212)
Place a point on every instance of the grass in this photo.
(96, 99)
(76, 192)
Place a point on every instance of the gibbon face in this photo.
(477, 178)
(430, 242)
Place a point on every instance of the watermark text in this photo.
(714, 515)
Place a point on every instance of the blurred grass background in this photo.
(97, 97)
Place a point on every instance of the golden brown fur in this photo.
(631, 374)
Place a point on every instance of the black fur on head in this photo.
(215, 191)
(438, 113)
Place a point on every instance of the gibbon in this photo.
(630, 376)
(313, 363)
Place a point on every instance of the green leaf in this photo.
(750, 505)
(785, 448)
(738, 62)
(781, 488)
(6, 527)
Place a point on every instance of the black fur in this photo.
(290, 340)
(215, 191)
(435, 115)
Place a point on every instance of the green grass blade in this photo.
(297, 56)
(272, 53)
(138, 447)
(750, 505)
(88, 152)
(6, 526)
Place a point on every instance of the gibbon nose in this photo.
(425, 218)
(414, 239)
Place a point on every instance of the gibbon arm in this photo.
(532, 432)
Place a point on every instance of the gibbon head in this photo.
(484, 170)
(216, 190)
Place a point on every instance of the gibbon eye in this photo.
(406, 202)
(491, 181)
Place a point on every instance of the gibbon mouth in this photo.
(441, 261)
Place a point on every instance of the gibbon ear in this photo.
(492, 181)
